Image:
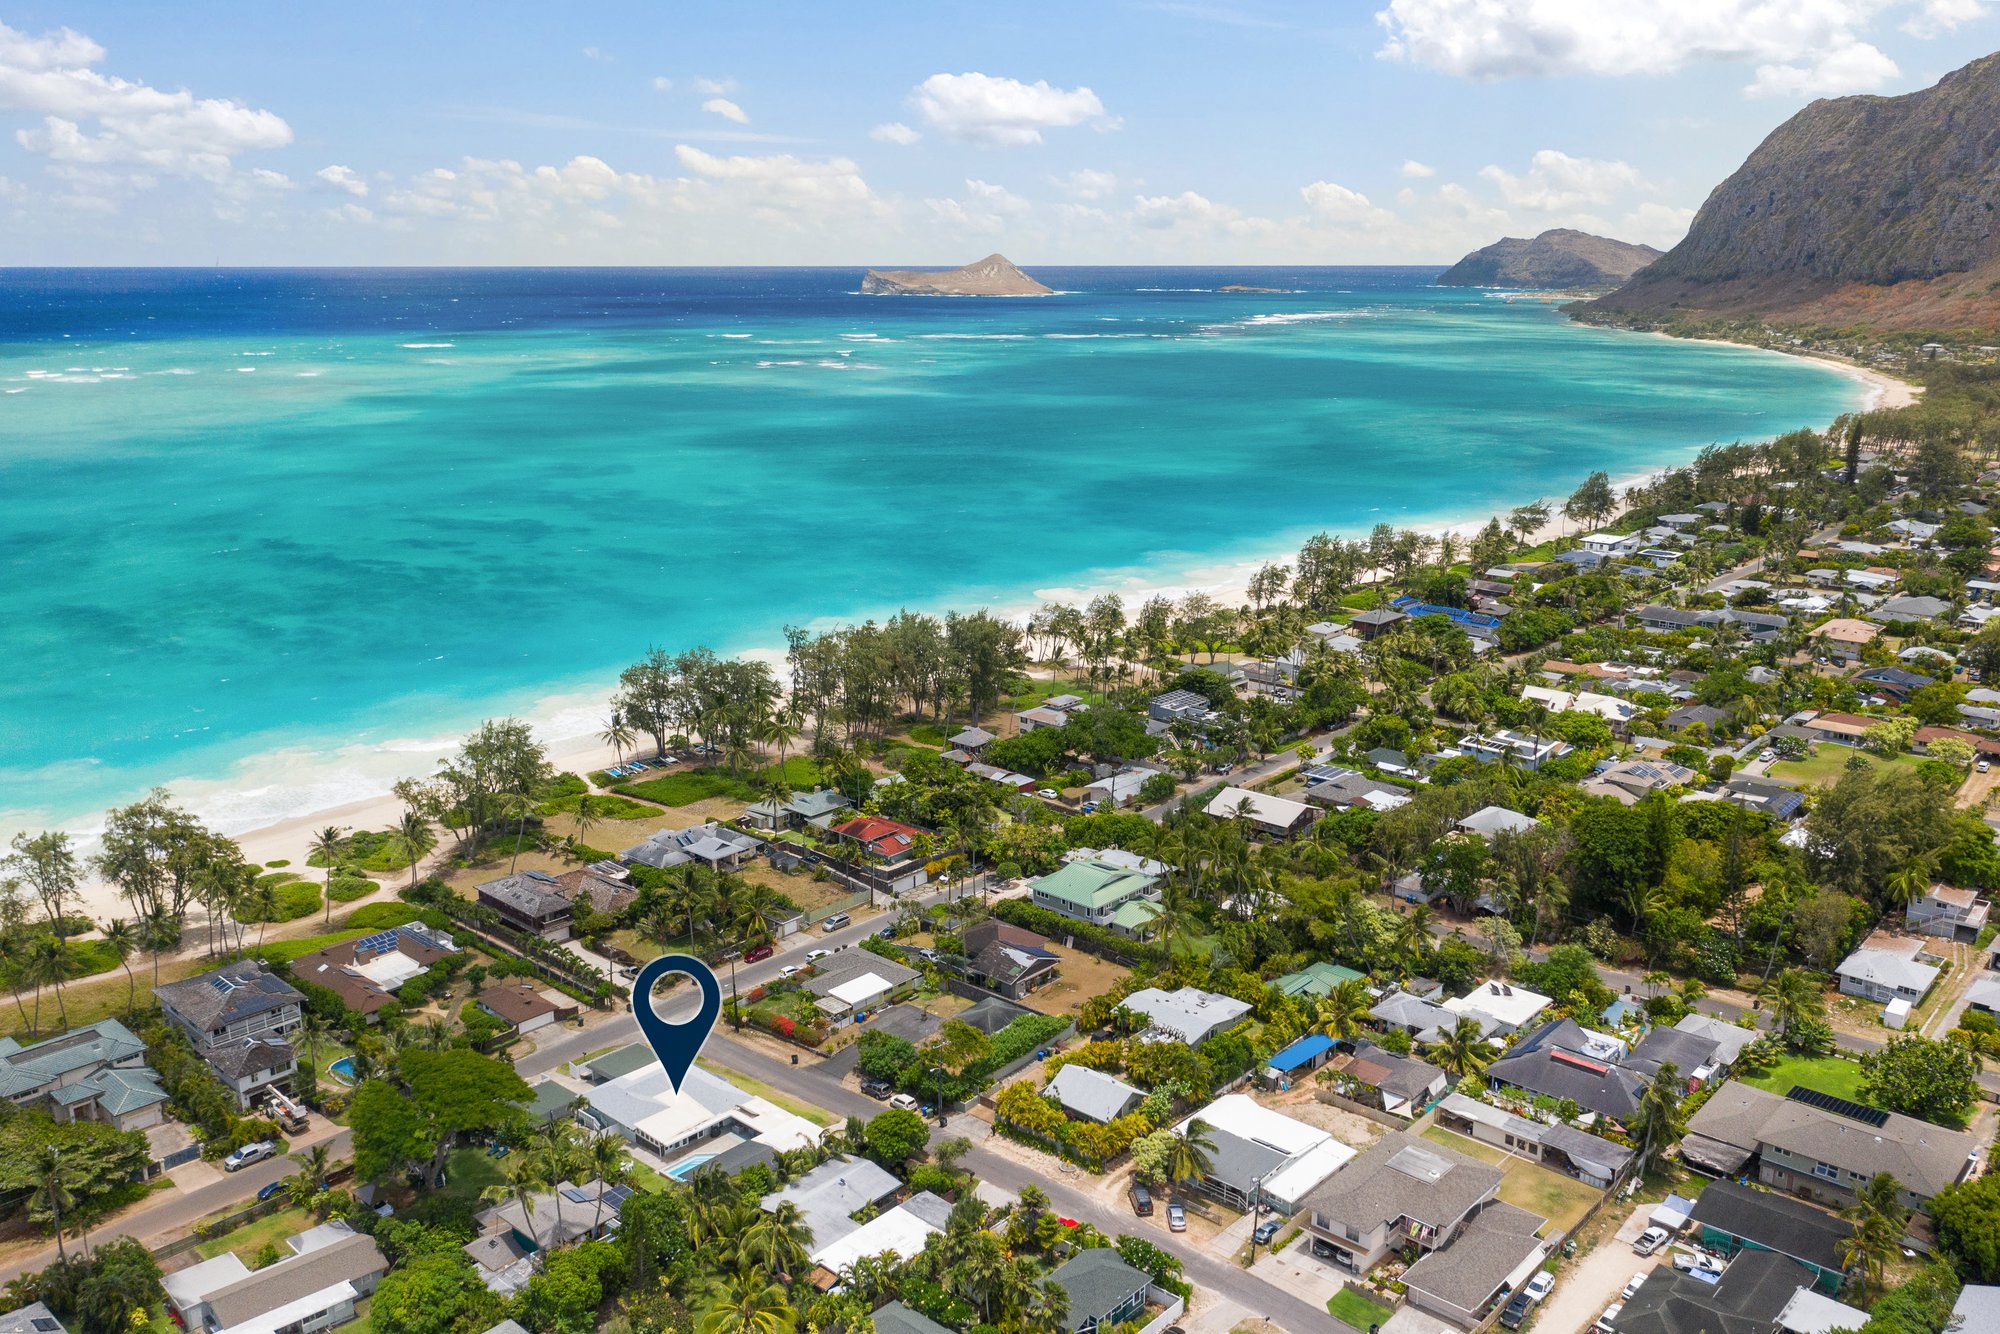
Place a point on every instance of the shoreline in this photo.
(567, 720)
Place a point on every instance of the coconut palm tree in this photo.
(1462, 1049)
(1343, 1011)
(47, 964)
(609, 1162)
(618, 735)
(1879, 1219)
(122, 939)
(416, 837)
(780, 1243)
(1191, 1153)
(52, 1189)
(1907, 884)
(586, 818)
(328, 845)
(746, 1304)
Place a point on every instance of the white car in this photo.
(1604, 1323)
(1048, 794)
(814, 956)
(1540, 1285)
(790, 970)
(1650, 1240)
(1633, 1286)
(248, 1154)
(1983, 765)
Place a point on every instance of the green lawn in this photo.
(284, 951)
(1562, 1200)
(759, 1088)
(603, 805)
(687, 786)
(467, 1172)
(1826, 1074)
(1355, 1311)
(1827, 764)
(252, 1237)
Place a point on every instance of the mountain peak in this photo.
(1561, 257)
(993, 276)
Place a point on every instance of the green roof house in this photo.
(1316, 980)
(1102, 894)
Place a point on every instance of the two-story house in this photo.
(530, 902)
(238, 1017)
(1400, 1191)
(1102, 893)
(97, 1073)
(1945, 910)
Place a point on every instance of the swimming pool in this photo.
(689, 1165)
(343, 1070)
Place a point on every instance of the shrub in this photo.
(347, 887)
(382, 916)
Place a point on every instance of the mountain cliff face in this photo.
(1873, 210)
(993, 276)
(1560, 258)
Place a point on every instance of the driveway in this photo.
(1584, 1289)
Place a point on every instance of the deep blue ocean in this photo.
(272, 537)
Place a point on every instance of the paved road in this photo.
(168, 1216)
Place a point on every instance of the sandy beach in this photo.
(567, 724)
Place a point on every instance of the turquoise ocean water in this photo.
(264, 533)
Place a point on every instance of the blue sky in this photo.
(1376, 131)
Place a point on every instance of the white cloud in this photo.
(728, 110)
(1655, 224)
(343, 179)
(1413, 170)
(662, 84)
(1934, 18)
(895, 132)
(1555, 180)
(1811, 45)
(1853, 68)
(985, 109)
(1187, 207)
(271, 180)
(1086, 183)
(782, 175)
(598, 54)
(129, 124)
(1342, 207)
(714, 87)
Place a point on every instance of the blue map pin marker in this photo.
(676, 1044)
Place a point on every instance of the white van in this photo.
(904, 1102)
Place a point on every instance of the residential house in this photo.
(1895, 683)
(1091, 1095)
(515, 1235)
(1840, 729)
(1348, 789)
(1752, 1296)
(1190, 1016)
(1985, 747)
(1316, 980)
(34, 1318)
(1377, 1077)
(1729, 1039)
(1619, 713)
(237, 1016)
(1909, 609)
(605, 888)
(523, 1006)
(853, 983)
(1888, 968)
(1696, 715)
(1977, 1310)
(1374, 624)
(1565, 1061)
(366, 973)
(1270, 817)
(1007, 960)
(1103, 1290)
(1516, 748)
(1587, 1157)
(1102, 893)
(1607, 545)
(1497, 1251)
(1820, 1153)
(527, 902)
(973, 740)
(1630, 780)
(1730, 1218)
(1263, 1157)
(896, 1318)
(1842, 639)
(1772, 799)
(818, 808)
(1424, 1020)
(1298, 1059)
(630, 1093)
(94, 1073)
(1950, 912)
(1503, 1007)
(882, 841)
(1117, 789)
(1031, 720)
(829, 1196)
(1180, 706)
(331, 1268)
(1695, 1057)
(1488, 821)
(716, 846)
(1400, 1191)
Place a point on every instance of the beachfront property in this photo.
(237, 1017)
(708, 1117)
(1190, 1015)
(1117, 895)
(715, 846)
(601, 887)
(528, 902)
(1823, 1150)
(1270, 817)
(94, 1073)
(817, 809)
(1263, 1158)
(1402, 1190)
(331, 1267)
(366, 973)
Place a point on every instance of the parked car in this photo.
(790, 970)
(1633, 1286)
(1176, 1217)
(1142, 1201)
(1689, 1261)
(1048, 794)
(1983, 765)
(835, 922)
(1088, 808)
(814, 956)
(903, 1102)
(886, 933)
(759, 954)
(1605, 1323)
(255, 1152)
(877, 1088)
(275, 1188)
(1650, 1240)
(1516, 1310)
(1268, 1229)
(1540, 1285)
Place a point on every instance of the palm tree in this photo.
(1795, 997)
(609, 1163)
(47, 963)
(586, 818)
(328, 845)
(315, 1165)
(617, 734)
(1342, 1012)
(1907, 884)
(746, 1304)
(1879, 1219)
(122, 938)
(1412, 940)
(1462, 1049)
(1658, 1121)
(415, 835)
(1192, 1153)
(53, 1189)
(780, 1243)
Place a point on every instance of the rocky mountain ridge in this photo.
(1558, 258)
(993, 276)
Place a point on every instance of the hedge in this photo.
(1086, 936)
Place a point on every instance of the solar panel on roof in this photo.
(575, 1195)
(379, 943)
(1826, 1102)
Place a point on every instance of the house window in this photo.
(1826, 1171)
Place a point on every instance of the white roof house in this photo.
(1189, 1015)
(1279, 815)
(1810, 1312)
(1730, 1039)
(1608, 707)
(1267, 1151)
(1490, 820)
(1888, 968)
(1611, 544)
(903, 1230)
(643, 1107)
(1509, 1007)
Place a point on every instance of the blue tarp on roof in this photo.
(1301, 1052)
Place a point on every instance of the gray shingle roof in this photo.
(1402, 1175)
(529, 893)
(1774, 1222)
(1098, 1283)
(1467, 1273)
(299, 1276)
(1092, 1093)
(896, 1318)
(1924, 1157)
(34, 1318)
(227, 995)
